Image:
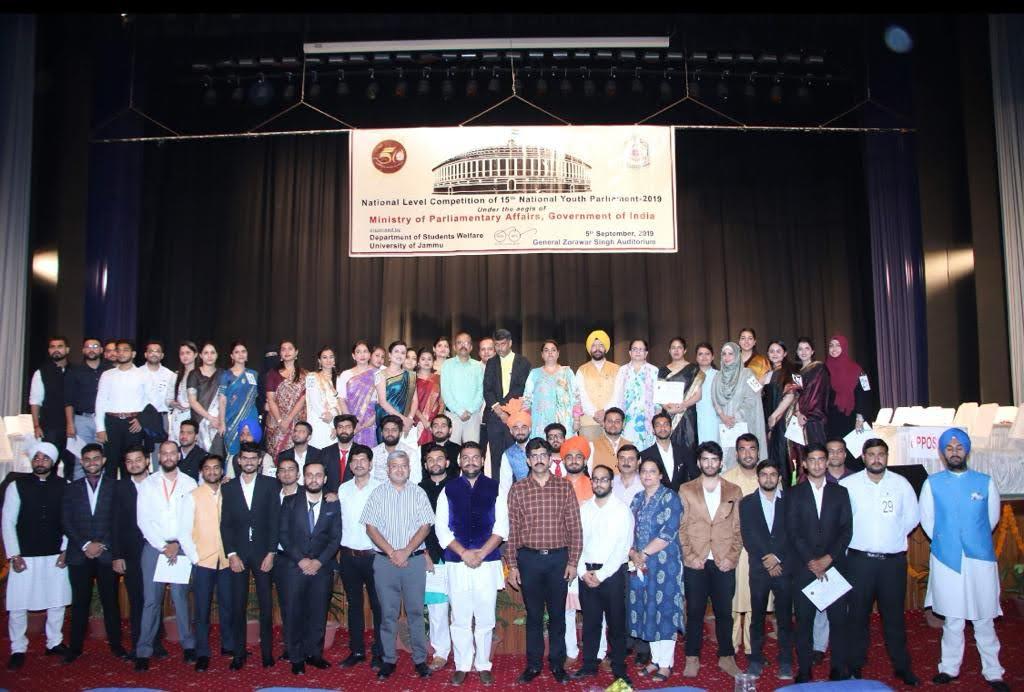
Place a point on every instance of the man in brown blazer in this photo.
(711, 540)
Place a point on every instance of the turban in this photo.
(947, 437)
(516, 414)
(255, 430)
(46, 448)
(599, 335)
(576, 444)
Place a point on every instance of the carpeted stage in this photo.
(97, 668)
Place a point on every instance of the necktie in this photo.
(558, 467)
(312, 519)
(344, 462)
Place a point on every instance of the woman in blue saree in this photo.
(396, 390)
(237, 395)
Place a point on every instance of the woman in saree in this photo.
(286, 399)
(396, 390)
(778, 399)
(815, 386)
(202, 385)
(551, 395)
(357, 395)
(322, 399)
(634, 394)
(237, 397)
(684, 413)
(428, 394)
(178, 405)
(736, 395)
(753, 360)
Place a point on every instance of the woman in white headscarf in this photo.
(736, 395)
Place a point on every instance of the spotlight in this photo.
(566, 86)
(610, 87)
(589, 88)
(237, 93)
(665, 88)
(750, 88)
(775, 93)
(313, 90)
(209, 93)
(373, 88)
(447, 87)
(494, 86)
(261, 92)
(722, 89)
(472, 85)
(288, 94)
(342, 89)
(637, 86)
(803, 92)
(401, 86)
(423, 87)
(897, 39)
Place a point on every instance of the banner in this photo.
(484, 190)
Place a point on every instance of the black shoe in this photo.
(855, 673)
(283, 656)
(71, 656)
(642, 659)
(376, 663)
(837, 674)
(189, 655)
(202, 663)
(817, 657)
(299, 668)
(625, 679)
(998, 685)
(237, 662)
(423, 670)
(16, 661)
(802, 677)
(59, 650)
(119, 652)
(907, 676)
(318, 662)
(228, 652)
(560, 675)
(268, 661)
(944, 678)
(159, 651)
(386, 669)
(353, 660)
(584, 672)
(141, 664)
(527, 676)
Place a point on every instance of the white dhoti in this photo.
(42, 586)
(973, 595)
(436, 600)
(473, 593)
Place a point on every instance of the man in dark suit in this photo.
(441, 431)
(310, 533)
(763, 525)
(301, 451)
(678, 463)
(127, 542)
(337, 456)
(87, 516)
(819, 521)
(192, 455)
(496, 394)
(249, 524)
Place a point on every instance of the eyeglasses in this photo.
(595, 481)
(539, 455)
(97, 347)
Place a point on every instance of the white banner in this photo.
(485, 190)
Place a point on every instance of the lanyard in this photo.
(167, 494)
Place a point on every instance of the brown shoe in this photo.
(692, 667)
(486, 678)
(458, 677)
(606, 664)
(728, 664)
(437, 664)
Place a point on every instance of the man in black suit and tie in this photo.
(819, 521)
(87, 516)
(128, 540)
(249, 524)
(505, 366)
(336, 457)
(192, 455)
(763, 525)
(310, 533)
(301, 451)
(441, 431)
(678, 464)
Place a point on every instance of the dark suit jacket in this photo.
(811, 537)
(312, 453)
(331, 456)
(759, 541)
(492, 381)
(297, 540)
(262, 522)
(193, 462)
(81, 525)
(127, 538)
(685, 465)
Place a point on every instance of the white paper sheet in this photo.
(727, 436)
(824, 592)
(178, 573)
(669, 392)
(795, 431)
(855, 440)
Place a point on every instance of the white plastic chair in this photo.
(966, 414)
(883, 418)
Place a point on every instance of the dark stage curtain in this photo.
(248, 239)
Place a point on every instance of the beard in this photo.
(956, 463)
(522, 439)
(345, 438)
(55, 357)
(598, 356)
(390, 441)
(604, 491)
(472, 474)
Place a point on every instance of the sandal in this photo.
(649, 669)
(661, 677)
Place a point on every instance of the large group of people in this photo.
(631, 495)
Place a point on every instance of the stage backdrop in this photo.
(248, 239)
(480, 190)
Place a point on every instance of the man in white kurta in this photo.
(35, 543)
(959, 510)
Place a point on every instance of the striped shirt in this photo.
(398, 514)
(542, 517)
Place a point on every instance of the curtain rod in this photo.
(806, 129)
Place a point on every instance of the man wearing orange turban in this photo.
(514, 464)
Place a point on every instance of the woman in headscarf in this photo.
(757, 363)
(812, 407)
(849, 400)
(634, 394)
(736, 395)
(684, 413)
(778, 399)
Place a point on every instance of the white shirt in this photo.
(120, 391)
(93, 494)
(607, 535)
(380, 463)
(883, 512)
(626, 494)
(159, 387)
(304, 498)
(712, 499)
(247, 490)
(818, 493)
(445, 536)
(353, 502)
(667, 457)
(158, 506)
(768, 507)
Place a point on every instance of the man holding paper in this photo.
(885, 510)
(820, 524)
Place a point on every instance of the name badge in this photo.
(864, 384)
(250, 378)
(754, 384)
(888, 503)
(798, 380)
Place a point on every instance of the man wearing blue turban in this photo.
(959, 510)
